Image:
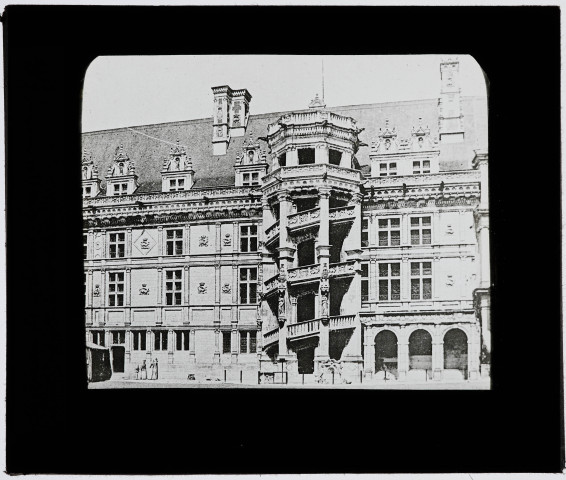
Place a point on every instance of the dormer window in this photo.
(387, 169)
(250, 179)
(176, 184)
(120, 189)
(421, 166)
(87, 191)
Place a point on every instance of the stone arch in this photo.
(456, 350)
(420, 350)
(386, 352)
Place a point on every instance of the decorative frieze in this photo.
(304, 273)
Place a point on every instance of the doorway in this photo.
(118, 354)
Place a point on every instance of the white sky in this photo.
(141, 90)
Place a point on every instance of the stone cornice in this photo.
(418, 317)
(449, 178)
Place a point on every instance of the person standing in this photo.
(144, 371)
(156, 370)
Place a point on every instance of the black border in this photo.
(54, 425)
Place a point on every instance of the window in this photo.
(87, 191)
(176, 184)
(84, 281)
(120, 189)
(116, 289)
(248, 285)
(139, 340)
(420, 231)
(389, 281)
(283, 160)
(249, 179)
(182, 339)
(119, 337)
(174, 242)
(248, 238)
(365, 282)
(421, 166)
(248, 341)
(387, 169)
(365, 232)
(98, 337)
(226, 341)
(389, 232)
(334, 157)
(117, 245)
(173, 287)
(160, 339)
(85, 245)
(421, 280)
(306, 156)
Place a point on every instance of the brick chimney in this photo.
(230, 116)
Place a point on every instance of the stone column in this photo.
(128, 242)
(474, 344)
(321, 153)
(159, 295)
(149, 347)
(403, 359)
(292, 157)
(437, 359)
(235, 344)
(160, 246)
(216, 344)
(192, 355)
(369, 351)
(170, 346)
(323, 257)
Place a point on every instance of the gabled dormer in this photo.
(391, 156)
(251, 163)
(177, 173)
(90, 180)
(121, 178)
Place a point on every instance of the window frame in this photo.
(250, 179)
(388, 230)
(365, 232)
(119, 334)
(248, 237)
(174, 241)
(420, 228)
(364, 287)
(226, 341)
(98, 337)
(247, 283)
(120, 189)
(390, 169)
(420, 169)
(160, 340)
(116, 279)
(176, 187)
(245, 339)
(173, 295)
(389, 279)
(420, 279)
(116, 243)
(139, 340)
(183, 340)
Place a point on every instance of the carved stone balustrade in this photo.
(303, 329)
(270, 337)
(271, 285)
(342, 214)
(307, 273)
(341, 322)
(272, 233)
(307, 218)
(342, 269)
(301, 119)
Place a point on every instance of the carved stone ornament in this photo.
(227, 240)
(324, 305)
(144, 290)
(449, 230)
(226, 288)
(96, 291)
(281, 305)
(202, 288)
(145, 244)
(449, 280)
(203, 241)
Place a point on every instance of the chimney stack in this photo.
(230, 116)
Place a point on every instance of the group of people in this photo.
(141, 370)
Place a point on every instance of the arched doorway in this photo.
(386, 352)
(456, 351)
(420, 351)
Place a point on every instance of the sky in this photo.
(126, 91)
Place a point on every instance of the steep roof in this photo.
(149, 145)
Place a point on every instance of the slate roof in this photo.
(149, 145)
